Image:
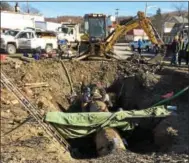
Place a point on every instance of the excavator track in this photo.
(33, 110)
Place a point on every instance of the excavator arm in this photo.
(139, 21)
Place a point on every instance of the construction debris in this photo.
(14, 102)
(28, 91)
(34, 85)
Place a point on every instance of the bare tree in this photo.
(180, 8)
(29, 9)
(5, 6)
(181, 11)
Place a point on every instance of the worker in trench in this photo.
(96, 103)
(94, 98)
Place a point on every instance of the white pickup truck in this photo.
(14, 40)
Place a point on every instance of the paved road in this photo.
(123, 52)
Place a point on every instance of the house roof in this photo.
(178, 19)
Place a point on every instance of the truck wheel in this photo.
(48, 48)
(11, 49)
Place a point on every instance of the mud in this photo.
(29, 143)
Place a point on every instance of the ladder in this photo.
(33, 110)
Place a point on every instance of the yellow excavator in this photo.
(96, 41)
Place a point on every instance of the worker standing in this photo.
(156, 49)
(181, 54)
(175, 51)
(139, 46)
(187, 52)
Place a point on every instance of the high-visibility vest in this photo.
(187, 48)
(181, 46)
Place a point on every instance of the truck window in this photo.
(11, 32)
(81, 27)
(71, 31)
(27, 35)
(30, 35)
(65, 30)
(22, 35)
(59, 29)
(86, 27)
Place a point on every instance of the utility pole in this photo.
(117, 12)
(28, 7)
(146, 8)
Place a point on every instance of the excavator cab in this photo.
(95, 32)
(95, 27)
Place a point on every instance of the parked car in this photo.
(146, 45)
(12, 41)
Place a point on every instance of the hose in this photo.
(68, 76)
(171, 98)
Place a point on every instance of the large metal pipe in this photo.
(108, 140)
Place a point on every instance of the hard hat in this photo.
(176, 37)
(96, 94)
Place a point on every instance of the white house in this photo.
(173, 26)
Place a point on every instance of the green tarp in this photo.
(75, 125)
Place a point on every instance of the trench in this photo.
(140, 140)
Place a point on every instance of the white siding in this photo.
(52, 26)
(167, 30)
(16, 20)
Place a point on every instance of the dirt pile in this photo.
(129, 157)
(53, 73)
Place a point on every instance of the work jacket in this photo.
(181, 46)
(97, 106)
(175, 46)
(139, 43)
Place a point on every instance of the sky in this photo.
(54, 9)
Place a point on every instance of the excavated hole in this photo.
(140, 140)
